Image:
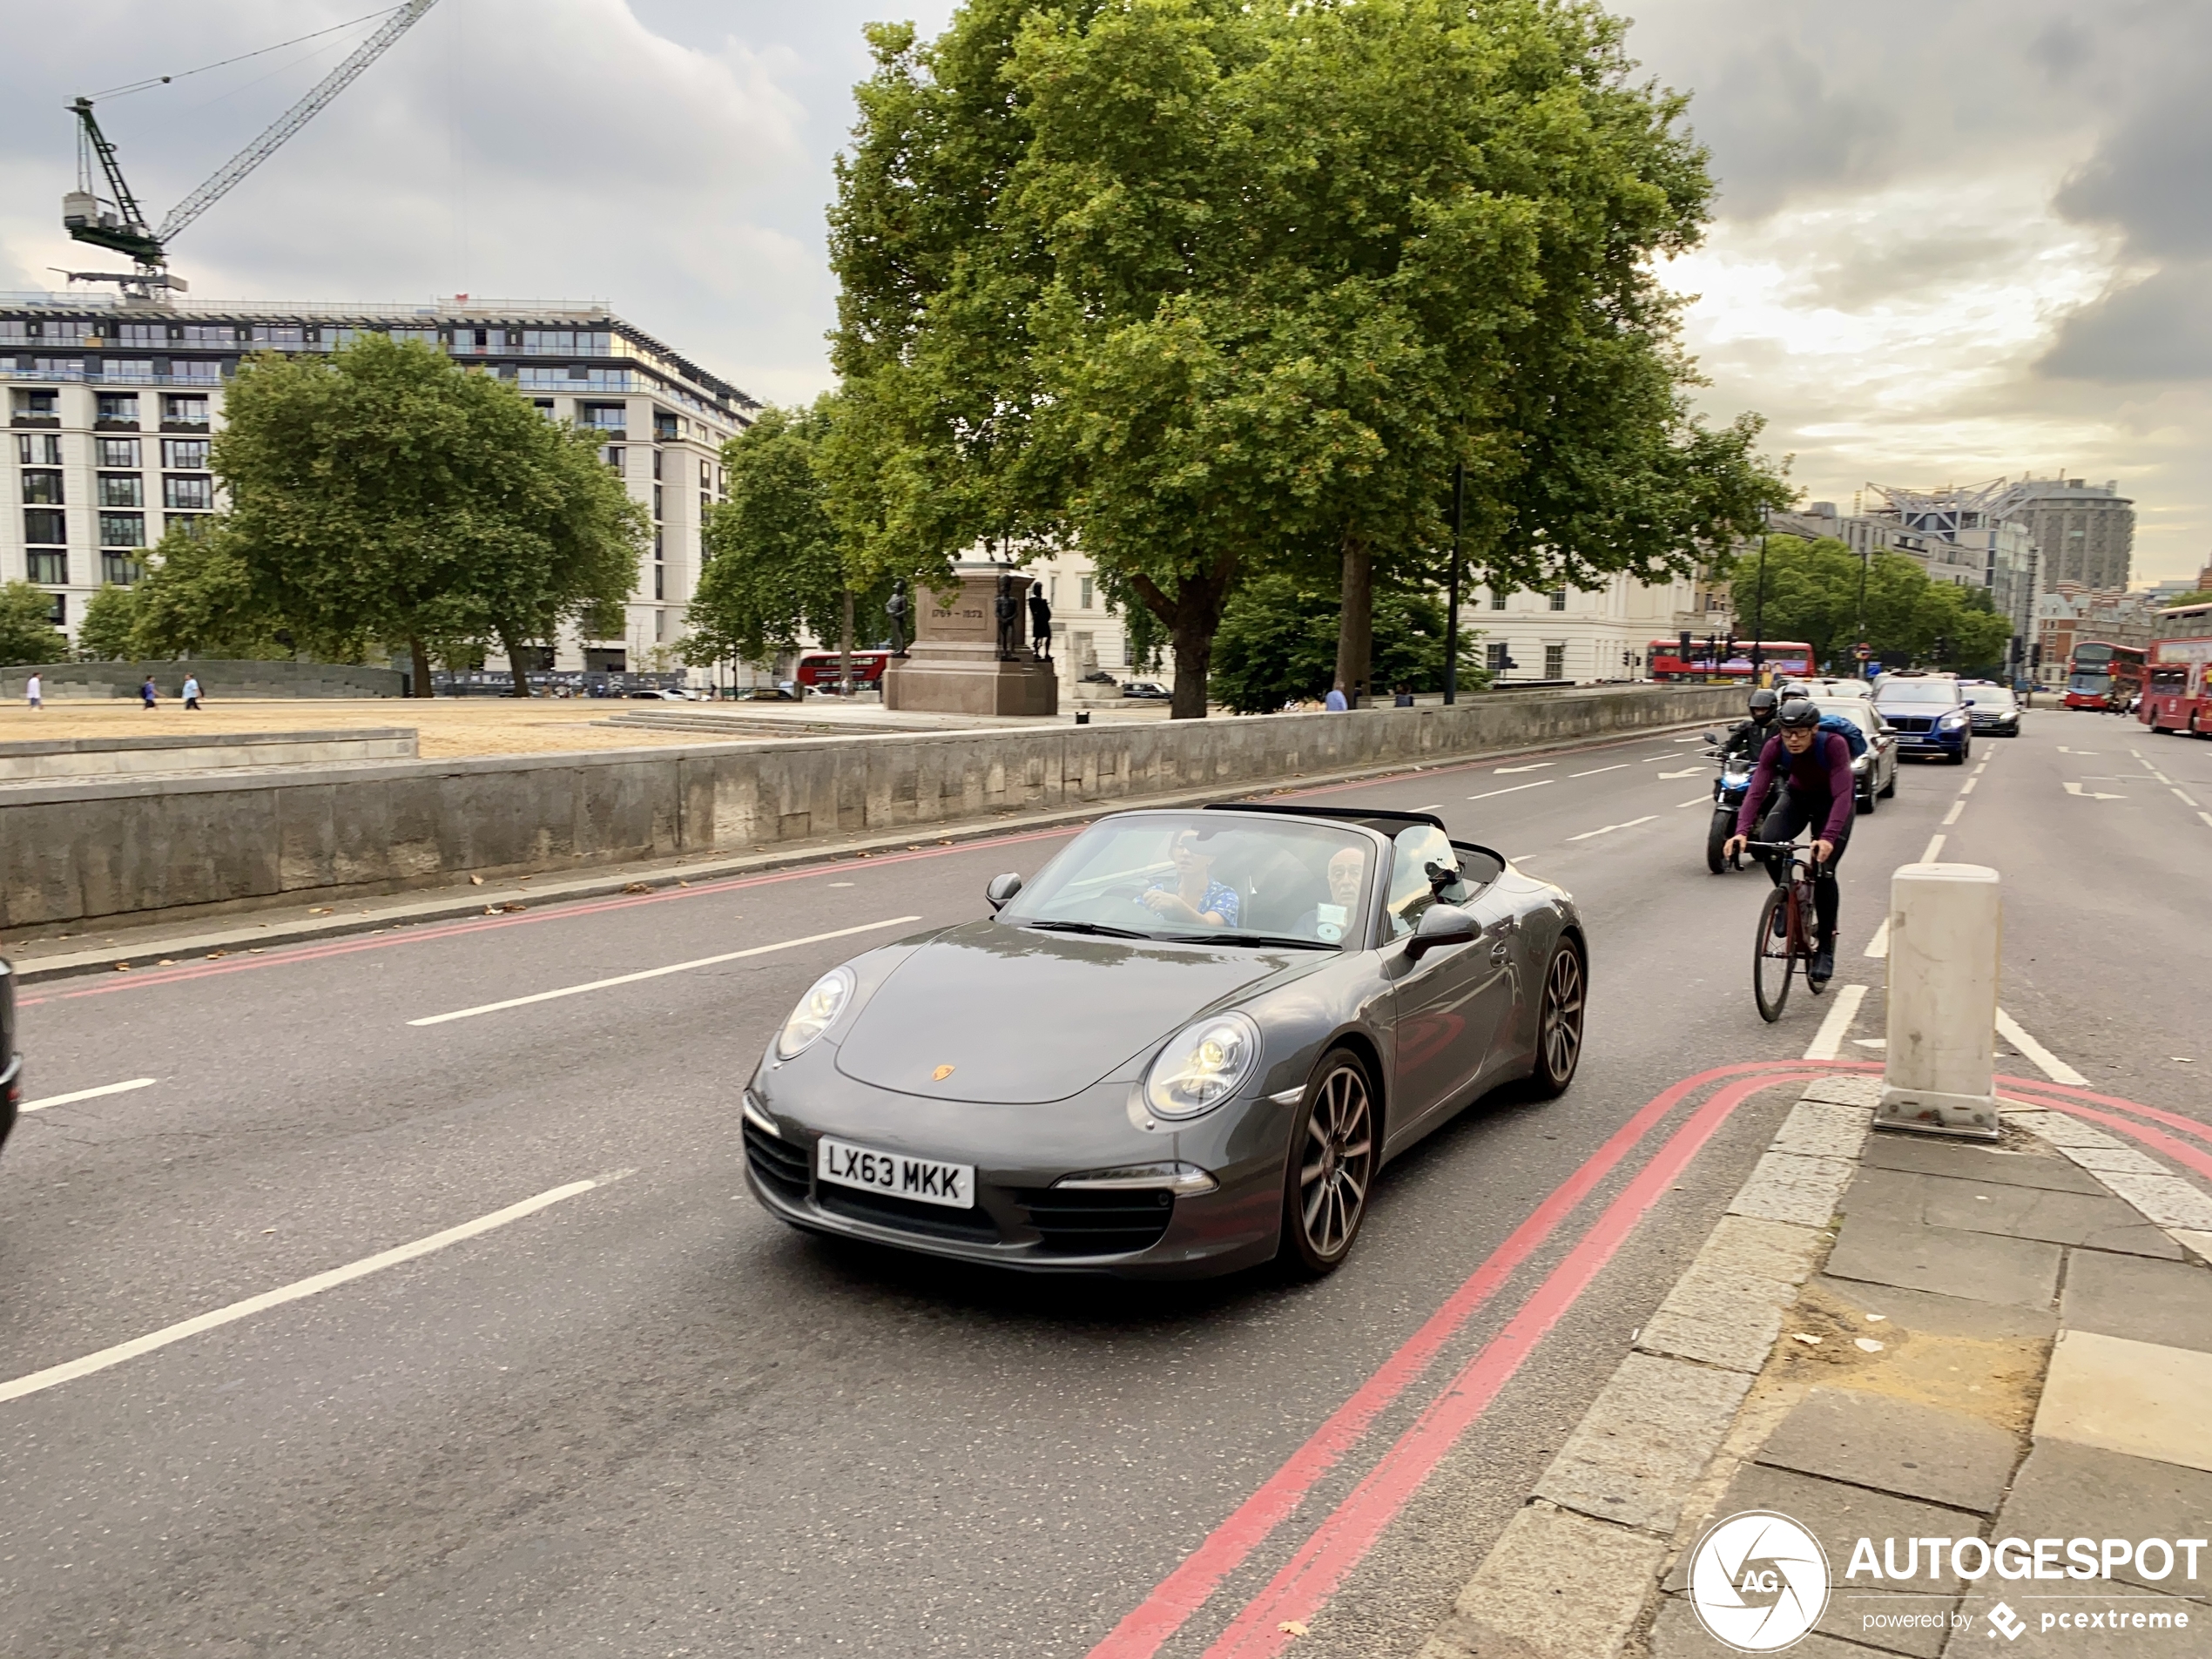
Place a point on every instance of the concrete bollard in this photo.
(1945, 928)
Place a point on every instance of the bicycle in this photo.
(1777, 955)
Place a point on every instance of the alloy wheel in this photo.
(1559, 1022)
(1336, 1163)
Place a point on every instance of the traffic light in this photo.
(1728, 655)
(1685, 650)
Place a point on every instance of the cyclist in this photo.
(1816, 792)
(1748, 737)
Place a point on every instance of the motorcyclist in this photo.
(1749, 736)
(1808, 772)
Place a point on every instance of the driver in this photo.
(1328, 922)
(1191, 894)
(1749, 736)
(1816, 793)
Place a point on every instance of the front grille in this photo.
(1911, 722)
(781, 1167)
(906, 1215)
(1080, 1222)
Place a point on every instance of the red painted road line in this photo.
(558, 911)
(1183, 1591)
(1341, 1541)
(2066, 1091)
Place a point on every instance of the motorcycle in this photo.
(1729, 790)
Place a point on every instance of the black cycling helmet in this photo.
(1797, 714)
(1762, 704)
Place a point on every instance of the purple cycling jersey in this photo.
(1824, 769)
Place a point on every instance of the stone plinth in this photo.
(953, 666)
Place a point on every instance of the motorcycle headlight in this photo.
(825, 1000)
(1202, 1066)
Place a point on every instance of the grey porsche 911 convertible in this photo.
(1187, 1046)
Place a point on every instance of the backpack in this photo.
(1848, 730)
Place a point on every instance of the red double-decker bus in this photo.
(826, 668)
(1726, 658)
(2103, 677)
(2178, 693)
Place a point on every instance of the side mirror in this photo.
(1001, 888)
(1888, 730)
(1441, 924)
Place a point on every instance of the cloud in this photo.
(2155, 329)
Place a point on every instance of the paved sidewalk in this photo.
(1979, 1376)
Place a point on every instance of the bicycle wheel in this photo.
(1776, 959)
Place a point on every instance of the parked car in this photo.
(11, 1061)
(1276, 1000)
(1151, 690)
(1874, 773)
(1929, 714)
(1995, 709)
(785, 693)
(649, 696)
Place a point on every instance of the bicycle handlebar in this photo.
(1792, 848)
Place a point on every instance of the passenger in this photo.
(1328, 922)
(1193, 895)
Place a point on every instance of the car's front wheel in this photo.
(1331, 1166)
(1559, 1023)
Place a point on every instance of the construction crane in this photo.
(115, 220)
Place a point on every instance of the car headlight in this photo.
(825, 1000)
(1957, 716)
(1202, 1066)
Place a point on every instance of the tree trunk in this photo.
(845, 649)
(1356, 625)
(420, 655)
(511, 643)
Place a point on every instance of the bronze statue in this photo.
(896, 608)
(1007, 609)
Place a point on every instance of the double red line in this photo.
(1345, 1537)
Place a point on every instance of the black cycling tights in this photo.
(1791, 814)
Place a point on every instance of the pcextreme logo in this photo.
(1758, 1581)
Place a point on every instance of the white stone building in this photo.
(1588, 634)
(111, 404)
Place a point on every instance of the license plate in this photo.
(924, 1180)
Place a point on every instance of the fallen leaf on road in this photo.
(167, 962)
(1291, 1627)
(514, 905)
(123, 967)
(638, 887)
(475, 882)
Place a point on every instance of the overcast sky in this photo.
(1956, 239)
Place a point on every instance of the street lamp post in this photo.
(1758, 610)
(1452, 600)
(1865, 556)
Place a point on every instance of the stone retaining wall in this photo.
(80, 850)
(39, 758)
(219, 681)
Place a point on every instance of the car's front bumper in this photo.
(1020, 1219)
(1946, 741)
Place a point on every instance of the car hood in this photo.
(1015, 1016)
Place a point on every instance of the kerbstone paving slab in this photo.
(2166, 1199)
(1981, 1267)
(1786, 1187)
(1896, 1445)
(1726, 1310)
(1847, 1088)
(1644, 1442)
(2168, 1303)
(1555, 1583)
(1925, 1157)
(2140, 1398)
(1676, 1635)
(2064, 1491)
(1822, 1128)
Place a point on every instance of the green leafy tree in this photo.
(27, 631)
(1218, 288)
(1277, 643)
(198, 598)
(776, 568)
(1812, 592)
(104, 631)
(386, 492)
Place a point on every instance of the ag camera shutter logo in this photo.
(1758, 1581)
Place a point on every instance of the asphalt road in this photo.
(646, 1419)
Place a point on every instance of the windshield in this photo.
(1848, 709)
(1992, 697)
(1945, 693)
(1204, 876)
(2099, 682)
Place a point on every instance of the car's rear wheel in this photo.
(1559, 1023)
(1331, 1166)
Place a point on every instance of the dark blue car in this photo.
(1929, 714)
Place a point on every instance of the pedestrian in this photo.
(192, 691)
(1335, 703)
(146, 692)
(33, 689)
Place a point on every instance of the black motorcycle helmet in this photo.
(1763, 705)
(1797, 714)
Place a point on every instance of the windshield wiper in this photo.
(1286, 940)
(1098, 927)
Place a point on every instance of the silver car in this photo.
(1188, 1045)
